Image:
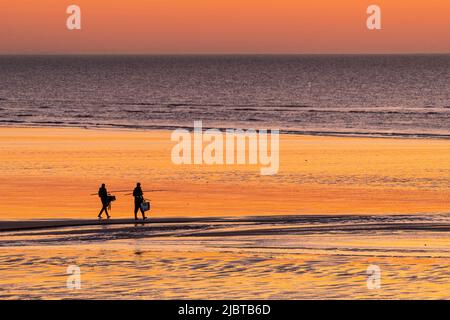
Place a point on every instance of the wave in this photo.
(135, 111)
(348, 133)
(84, 116)
(25, 115)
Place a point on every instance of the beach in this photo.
(55, 173)
(337, 206)
(271, 257)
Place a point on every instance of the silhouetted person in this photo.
(138, 199)
(103, 194)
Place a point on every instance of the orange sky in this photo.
(224, 26)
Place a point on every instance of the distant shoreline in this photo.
(376, 135)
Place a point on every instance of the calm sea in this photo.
(364, 95)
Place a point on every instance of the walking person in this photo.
(103, 195)
(138, 200)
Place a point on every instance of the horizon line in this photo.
(217, 53)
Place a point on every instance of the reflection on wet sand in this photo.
(246, 258)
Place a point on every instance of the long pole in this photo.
(95, 194)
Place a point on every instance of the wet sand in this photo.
(337, 206)
(294, 257)
(50, 173)
(333, 223)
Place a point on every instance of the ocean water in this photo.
(293, 257)
(363, 95)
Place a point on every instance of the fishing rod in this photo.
(127, 194)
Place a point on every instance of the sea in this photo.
(364, 95)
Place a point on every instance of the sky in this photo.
(223, 26)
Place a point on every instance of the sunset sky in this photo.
(224, 26)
